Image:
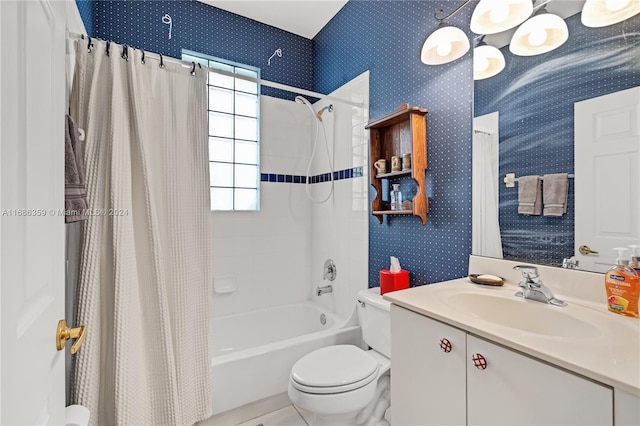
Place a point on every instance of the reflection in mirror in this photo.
(528, 110)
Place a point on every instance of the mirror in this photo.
(524, 124)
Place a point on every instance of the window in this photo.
(234, 127)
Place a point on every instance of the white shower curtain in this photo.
(486, 240)
(143, 290)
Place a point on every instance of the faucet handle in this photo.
(530, 273)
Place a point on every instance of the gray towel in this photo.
(530, 195)
(75, 191)
(556, 193)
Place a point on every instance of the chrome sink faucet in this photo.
(325, 289)
(533, 288)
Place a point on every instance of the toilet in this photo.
(344, 384)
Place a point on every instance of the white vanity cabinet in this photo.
(430, 386)
(516, 389)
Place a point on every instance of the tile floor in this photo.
(287, 416)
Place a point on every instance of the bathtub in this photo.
(252, 353)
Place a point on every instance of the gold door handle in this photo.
(586, 250)
(65, 333)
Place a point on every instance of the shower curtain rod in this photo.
(272, 84)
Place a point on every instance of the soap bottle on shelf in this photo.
(396, 197)
(623, 286)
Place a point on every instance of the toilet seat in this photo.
(334, 369)
(335, 389)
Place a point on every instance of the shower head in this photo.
(302, 100)
(327, 108)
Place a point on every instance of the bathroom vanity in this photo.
(477, 355)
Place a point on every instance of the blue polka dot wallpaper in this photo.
(205, 29)
(535, 98)
(386, 37)
(87, 13)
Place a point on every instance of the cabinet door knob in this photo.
(479, 361)
(445, 345)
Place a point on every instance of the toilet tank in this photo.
(375, 319)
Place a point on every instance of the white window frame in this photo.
(232, 188)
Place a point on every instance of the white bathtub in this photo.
(252, 353)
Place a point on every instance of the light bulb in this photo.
(499, 13)
(444, 48)
(487, 62)
(615, 5)
(480, 64)
(446, 44)
(537, 37)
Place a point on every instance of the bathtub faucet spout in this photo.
(322, 290)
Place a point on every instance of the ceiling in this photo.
(303, 17)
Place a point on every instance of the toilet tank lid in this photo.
(373, 297)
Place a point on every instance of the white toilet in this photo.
(343, 384)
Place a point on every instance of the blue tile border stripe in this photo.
(324, 177)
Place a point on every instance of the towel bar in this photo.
(510, 179)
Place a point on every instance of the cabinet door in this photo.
(626, 408)
(427, 383)
(514, 389)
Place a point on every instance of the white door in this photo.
(607, 179)
(32, 84)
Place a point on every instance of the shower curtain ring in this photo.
(193, 70)
(142, 60)
(161, 62)
(125, 52)
(108, 45)
(89, 45)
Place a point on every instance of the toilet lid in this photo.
(334, 367)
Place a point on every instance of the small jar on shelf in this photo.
(396, 197)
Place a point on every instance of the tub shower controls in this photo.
(329, 271)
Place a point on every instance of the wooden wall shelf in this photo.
(398, 133)
(393, 174)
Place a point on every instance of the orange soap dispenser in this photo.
(623, 286)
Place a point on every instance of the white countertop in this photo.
(608, 352)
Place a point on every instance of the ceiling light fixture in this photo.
(447, 43)
(495, 16)
(600, 13)
(542, 33)
(487, 60)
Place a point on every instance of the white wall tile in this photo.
(276, 255)
(285, 130)
(338, 231)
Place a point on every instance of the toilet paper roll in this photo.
(77, 415)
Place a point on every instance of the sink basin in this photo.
(525, 315)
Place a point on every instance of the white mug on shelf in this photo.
(381, 166)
